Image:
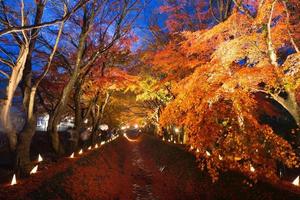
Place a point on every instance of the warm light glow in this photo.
(34, 170)
(191, 148)
(80, 152)
(174, 142)
(177, 130)
(207, 153)
(163, 139)
(86, 121)
(197, 151)
(130, 140)
(252, 169)
(296, 181)
(72, 155)
(123, 127)
(136, 126)
(169, 140)
(14, 180)
(89, 148)
(220, 157)
(102, 143)
(96, 146)
(40, 159)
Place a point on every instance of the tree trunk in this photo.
(23, 163)
(13, 83)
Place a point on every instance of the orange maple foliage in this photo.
(216, 103)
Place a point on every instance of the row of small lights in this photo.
(252, 169)
(80, 152)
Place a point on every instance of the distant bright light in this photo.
(191, 148)
(89, 148)
(296, 181)
(252, 169)
(123, 127)
(80, 152)
(86, 121)
(34, 170)
(14, 180)
(72, 155)
(103, 127)
(96, 146)
(169, 140)
(177, 130)
(163, 139)
(102, 143)
(40, 159)
(197, 151)
(220, 157)
(136, 126)
(207, 153)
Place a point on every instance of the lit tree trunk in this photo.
(15, 78)
(271, 50)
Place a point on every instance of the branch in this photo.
(243, 9)
(45, 24)
(5, 74)
(288, 27)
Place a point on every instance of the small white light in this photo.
(177, 130)
(102, 143)
(86, 121)
(40, 159)
(80, 152)
(252, 169)
(207, 153)
(96, 146)
(34, 170)
(72, 155)
(296, 181)
(163, 139)
(89, 148)
(197, 151)
(14, 180)
(220, 157)
(191, 148)
(136, 126)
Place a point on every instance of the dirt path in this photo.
(142, 169)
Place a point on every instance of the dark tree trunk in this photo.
(23, 163)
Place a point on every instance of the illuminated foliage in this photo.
(217, 102)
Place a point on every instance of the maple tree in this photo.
(216, 101)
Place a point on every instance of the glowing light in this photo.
(191, 148)
(14, 180)
(130, 140)
(252, 169)
(40, 159)
(34, 170)
(96, 146)
(72, 155)
(177, 130)
(197, 151)
(169, 140)
(296, 181)
(86, 121)
(103, 127)
(220, 157)
(163, 139)
(207, 153)
(80, 152)
(102, 143)
(89, 148)
(136, 126)
(174, 142)
(123, 127)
